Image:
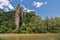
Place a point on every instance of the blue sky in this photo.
(43, 8)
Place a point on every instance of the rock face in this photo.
(18, 16)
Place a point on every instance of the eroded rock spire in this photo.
(18, 16)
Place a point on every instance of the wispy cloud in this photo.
(27, 9)
(6, 3)
(6, 9)
(24, 7)
(30, 10)
(38, 4)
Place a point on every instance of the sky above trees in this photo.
(43, 8)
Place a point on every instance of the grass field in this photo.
(30, 36)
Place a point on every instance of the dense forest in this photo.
(33, 24)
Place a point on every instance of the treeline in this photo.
(31, 24)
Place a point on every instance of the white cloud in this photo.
(6, 9)
(30, 10)
(5, 3)
(38, 4)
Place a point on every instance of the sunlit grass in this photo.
(30, 36)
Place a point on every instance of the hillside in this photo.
(31, 24)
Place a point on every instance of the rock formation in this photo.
(18, 16)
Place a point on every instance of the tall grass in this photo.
(29, 37)
(2, 39)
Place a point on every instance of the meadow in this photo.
(29, 37)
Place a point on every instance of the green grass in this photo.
(2, 39)
(29, 37)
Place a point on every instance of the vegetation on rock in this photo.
(31, 24)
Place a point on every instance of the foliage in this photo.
(31, 24)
